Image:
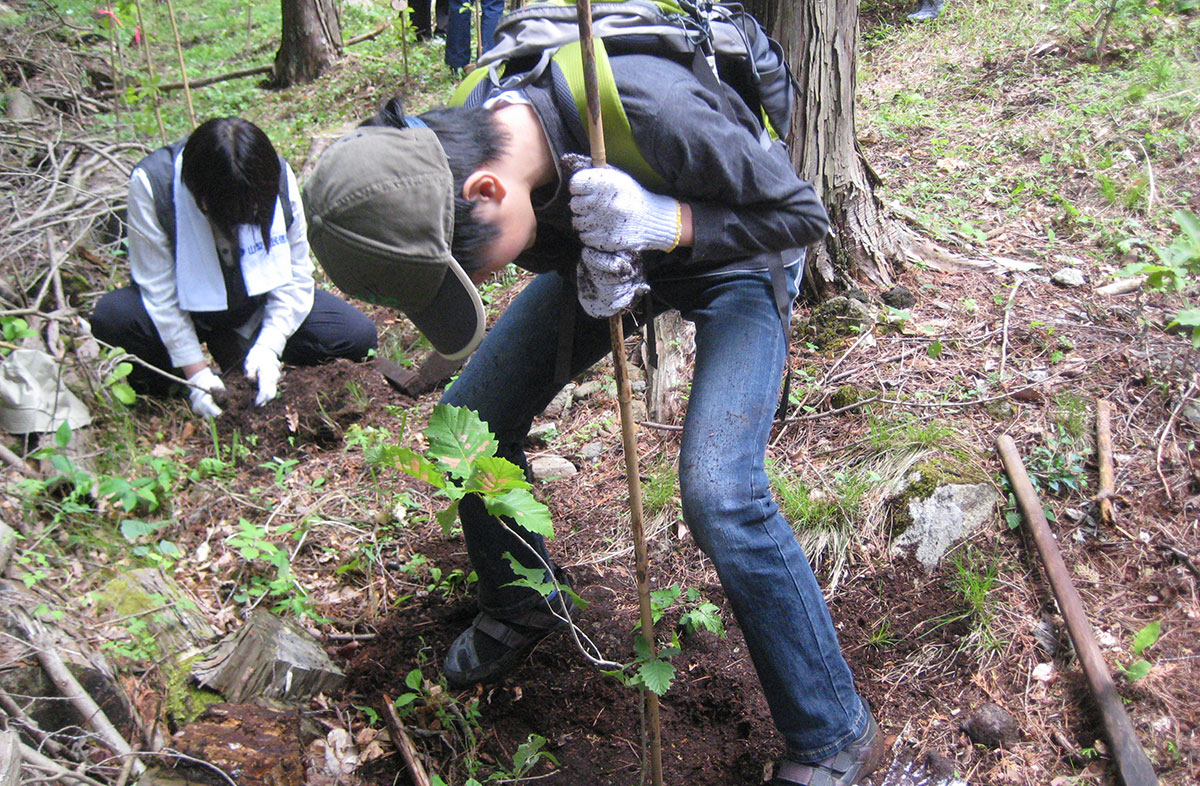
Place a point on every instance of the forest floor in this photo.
(1015, 155)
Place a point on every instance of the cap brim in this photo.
(454, 321)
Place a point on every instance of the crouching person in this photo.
(218, 256)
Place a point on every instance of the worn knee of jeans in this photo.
(719, 501)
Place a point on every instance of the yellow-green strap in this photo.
(619, 146)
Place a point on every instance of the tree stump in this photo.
(674, 345)
(270, 657)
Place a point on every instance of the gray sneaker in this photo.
(847, 767)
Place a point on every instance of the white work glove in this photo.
(612, 212)
(262, 364)
(204, 386)
(608, 283)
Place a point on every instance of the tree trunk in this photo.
(820, 41)
(311, 41)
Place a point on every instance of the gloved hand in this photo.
(609, 282)
(205, 387)
(612, 212)
(262, 364)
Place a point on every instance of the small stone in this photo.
(1069, 277)
(19, 106)
(899, 297)
(591, 451)
(560, 402)
(1043, 672)
(587, 390)
(992, 726)
(547, 468)
(543, 432)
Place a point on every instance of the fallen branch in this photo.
(18, 463)
(358, 39)
(1158, 453)
(403, 743)
(1105, 450)
(40, 761)
(94, 717)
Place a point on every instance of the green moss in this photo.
(185, 701)
(126, 598)
(847, 396)
(835, 321)
(953, 469)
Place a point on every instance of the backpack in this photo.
(720, 41)
(159, 167)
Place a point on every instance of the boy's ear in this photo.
(483, 184)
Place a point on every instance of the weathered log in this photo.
(674, 347)
(8, 544)
(270, 657)
(170, 613)
(254, 746)
(10, 758)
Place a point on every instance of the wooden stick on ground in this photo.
(403, 743)
(1105, 450)
(1132, 763)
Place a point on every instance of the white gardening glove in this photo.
(263, 364)
(612, 212)
(608, 283)
(204, 386)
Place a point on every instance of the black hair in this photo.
(470, 138)
(233, 172)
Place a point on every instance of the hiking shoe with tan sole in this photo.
(847, 767)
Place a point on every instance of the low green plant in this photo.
(1176, 271)
(253, 544)
(281, 468)
(1057, 467)
(974, 580)
(13, 330)
(1143, 640)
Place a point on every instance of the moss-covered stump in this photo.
(835, 321)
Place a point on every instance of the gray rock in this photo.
(1191, 413)
(560, 402)
(943, 518)
(547, 468)
(19, 106)
(591, 451)
(992, 726)
(587, 390)
(543, 432)
(899, 297)
(1069, 277)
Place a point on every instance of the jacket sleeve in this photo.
(152, 267)
(746, 198)
(289, 305)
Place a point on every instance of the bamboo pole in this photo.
(187, 91)
(1132, 763)
(624, 399)
(162, 131)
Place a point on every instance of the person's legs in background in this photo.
(120, 319)
(458, 34)
(333, 329)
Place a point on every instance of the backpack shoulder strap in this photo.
(621, 149)
(285, 200)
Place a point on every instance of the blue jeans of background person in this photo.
(727, 502)
(458, 29)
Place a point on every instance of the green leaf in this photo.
(525, 510)
(446, 518)
(63, 435)
(416, 465)
(458, 438)
(657, 675)
(132, 529)
(935, 350)
(1190, 224)
(494, 475)
(1136, 670)
(533, 578)
(1146, 637)
(413, 679)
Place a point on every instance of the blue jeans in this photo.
(458, 29)
(727, 502)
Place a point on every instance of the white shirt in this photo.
(152, 266)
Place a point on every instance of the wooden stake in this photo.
(1132, 763)
(187, 91)
(624, 398)
(1105, 450)
(162, 131)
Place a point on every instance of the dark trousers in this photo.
(333, 329)
(426, 20)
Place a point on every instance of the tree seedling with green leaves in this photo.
(1143, 640)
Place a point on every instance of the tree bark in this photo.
(820, 42)
(310, 43)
